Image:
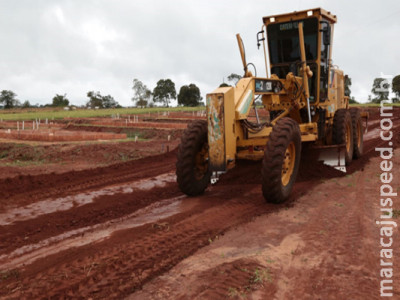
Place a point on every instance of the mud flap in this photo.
(333, 155)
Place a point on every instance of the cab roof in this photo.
(297, 15)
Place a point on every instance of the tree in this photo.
(141, 103)
(109, 102)
(8, 98)
(189, 95)
(141, 93)
(97, 100)
(164, 91)
(60, 100)
(396, 86)
(380, 88)
(352, 100)
(347, 85)
(234, 78)
(26, 104)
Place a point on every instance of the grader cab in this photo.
(303, 98)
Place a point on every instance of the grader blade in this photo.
(333, 155)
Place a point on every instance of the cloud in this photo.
(60, 46)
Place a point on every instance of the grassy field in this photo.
(374, 104)
(59, 113)
(56, 113)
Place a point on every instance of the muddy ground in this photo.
(113, 229)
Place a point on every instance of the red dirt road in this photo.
(127, 231)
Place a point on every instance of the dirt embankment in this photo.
(35, 159)
(40, 151)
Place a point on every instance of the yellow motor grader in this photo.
(303, 94)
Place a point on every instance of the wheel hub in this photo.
(288, 163)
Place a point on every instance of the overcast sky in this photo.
(72, 47)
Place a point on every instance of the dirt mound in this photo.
(58, 135)
(145, 133)
(23, 159)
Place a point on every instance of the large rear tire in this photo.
(281, 161)
(192, 172)
(342, 132)
(358, 133)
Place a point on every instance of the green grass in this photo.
(6, 274)
(260, 275)
(57, 113)
(373, 104)
(21, 163)
(270, 261)
(30, 156)
(395, 213)
(51, 114)
(130, 134)
(232, 292)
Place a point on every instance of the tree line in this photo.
(9, 100)
(380, 90)
(189, 95)
(163, 93)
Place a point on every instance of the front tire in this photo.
(281, 161)
(192, 171)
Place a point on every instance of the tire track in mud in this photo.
(23, 190)
(101, 210)
(65, 203)
(89, 234)
(145, 254)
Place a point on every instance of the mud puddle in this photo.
(97, 233)
(375, 133)
(65, 203)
